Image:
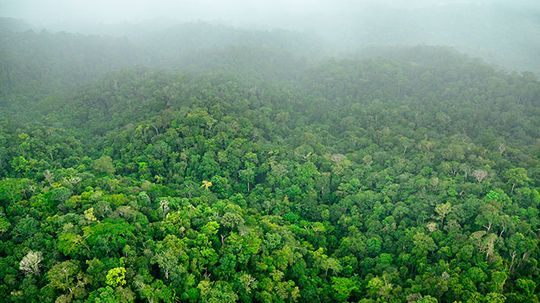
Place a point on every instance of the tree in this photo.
(479, 175)
(326, 263)
(69, 243)
(485, 242)
(429, 299)
(248, 282)
(247, 176)
(170, 257)
(379, 288)
(110, 295)
(104, 165)
(343, 287)
(527, 288)
(116, 277)
(30, 263)
(108, 236)
(517, 177)
(442, 210)
(63, 275)
(216, 292)
(423, 244)
(4, 224)
(206, 184)
(89, 214)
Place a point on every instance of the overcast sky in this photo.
(502, 31)
(299, 13)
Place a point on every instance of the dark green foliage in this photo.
(408, 178)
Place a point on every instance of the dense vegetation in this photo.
(263, 176)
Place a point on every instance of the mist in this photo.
(269, 151)
(501, 32)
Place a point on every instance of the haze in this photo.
(269, 151)
(506, 33)
(257, 11)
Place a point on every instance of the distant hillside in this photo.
(49, 62)
(42, 62)
(13, 25)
